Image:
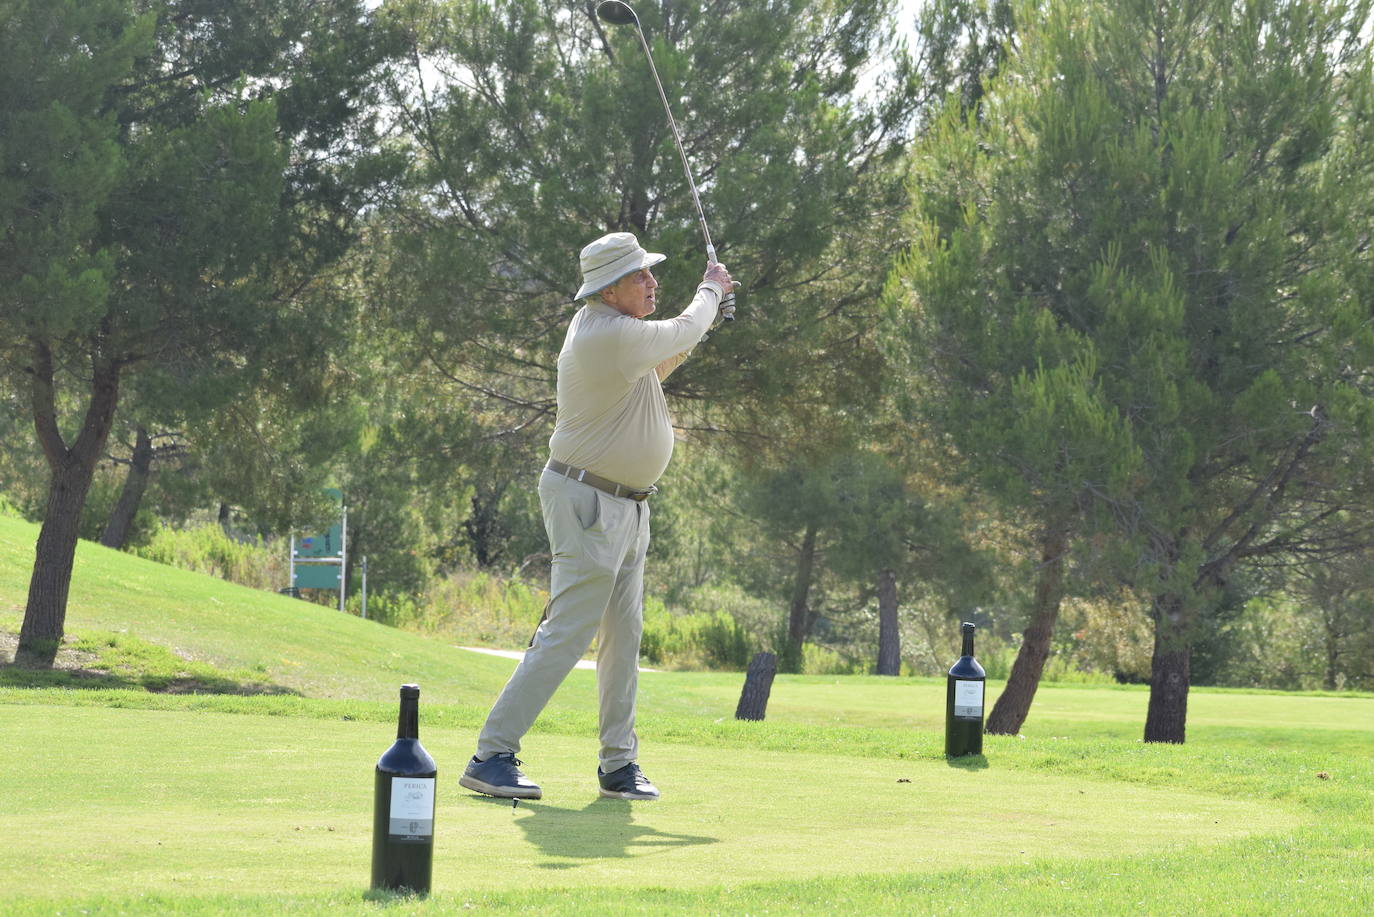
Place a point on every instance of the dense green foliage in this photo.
(176, 173)
(1139, 301)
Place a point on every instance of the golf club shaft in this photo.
(681, 150)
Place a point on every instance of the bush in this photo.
(819, 660)
(207, 549)
(1072, 659)
(725, 643)
(1271, 644)
(396, 609)
(1065, 671)
(484, 610)
(996, 660)
(1113, 636)
(712, 640)
(465, 607)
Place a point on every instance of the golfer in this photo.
(612, 439)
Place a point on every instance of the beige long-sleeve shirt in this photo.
(612, 417)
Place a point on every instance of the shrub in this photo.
(995, 659)
(712, 640)
(396, 609)
(465, 607)
(820, 660)
(1112, 636)
(207, 549)
(1065, 666)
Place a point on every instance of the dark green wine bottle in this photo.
(403, 806)
(964, 702)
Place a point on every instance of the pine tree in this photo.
(1145, 278)
(537, 127)
(194, 165)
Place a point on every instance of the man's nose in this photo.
(652, 282)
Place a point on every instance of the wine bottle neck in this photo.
(408, 726)
(968, 642)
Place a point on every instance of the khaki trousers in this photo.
(596, 589)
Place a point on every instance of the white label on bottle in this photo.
(968, 699)
(412, 806)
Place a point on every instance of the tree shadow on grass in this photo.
(603, 829)
(120, 662)
(14, 676)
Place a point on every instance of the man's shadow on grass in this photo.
(602, 829)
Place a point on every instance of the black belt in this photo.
(600, 483)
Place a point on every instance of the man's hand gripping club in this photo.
(716, 273)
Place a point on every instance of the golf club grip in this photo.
(728, 297)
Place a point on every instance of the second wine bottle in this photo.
(403, 806)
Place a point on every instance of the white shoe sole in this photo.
(501, 792)
(625, 794)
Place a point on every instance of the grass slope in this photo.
(293, 645)
(258, 802)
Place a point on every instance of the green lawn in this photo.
(256, 802)
(121, 800)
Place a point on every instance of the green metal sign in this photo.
(317, 576)
(330, 544)
(317, 561)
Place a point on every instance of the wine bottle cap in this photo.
(967, 627)
(410, 690)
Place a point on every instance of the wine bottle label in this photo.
(412, 807)
(968, 699)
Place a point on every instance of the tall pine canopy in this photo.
(537, 127)
(172, 174)
(1141, 292)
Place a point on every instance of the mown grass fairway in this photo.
(127, 801)
(257, 803)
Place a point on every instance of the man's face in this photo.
(633, 294)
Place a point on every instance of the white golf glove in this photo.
(727, 305)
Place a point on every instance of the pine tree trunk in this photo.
(889, 636)
(1167, 716)
(135, 484)
(46, 612)
(71, 472)
(758, 685)
(1331, 638)
(486, 533)
(799, 612)
(1014, 703)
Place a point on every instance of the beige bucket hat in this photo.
(610, 258)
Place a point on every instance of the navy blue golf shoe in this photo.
(627, 782)
(500, 776)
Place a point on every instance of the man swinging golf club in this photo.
(612, 440)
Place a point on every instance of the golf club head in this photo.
(616, 12)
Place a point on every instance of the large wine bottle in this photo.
(964, 702)
(403, 806)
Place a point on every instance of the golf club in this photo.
(617, 12)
